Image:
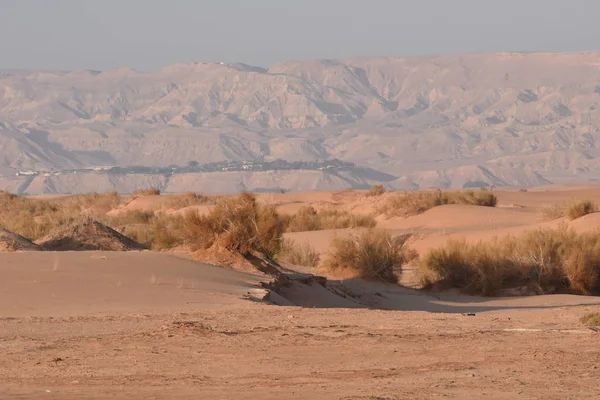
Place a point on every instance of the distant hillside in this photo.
(451, 121)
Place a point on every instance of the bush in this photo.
(308, 219)
(298, 254)
(373, 255)
(572, 210)
(553, 211)
(580, 208)
(546, 261)
(158, 231)
(414, 203)
(146, 192)
(592, 319)
(186, 200)
(375, 190)
(238, 224)
(34, 218)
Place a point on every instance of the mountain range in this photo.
(503, 119)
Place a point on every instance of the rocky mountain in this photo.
(452, 121)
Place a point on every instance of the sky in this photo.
(149, 34)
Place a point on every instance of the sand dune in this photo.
(92, 283)
(144, 324)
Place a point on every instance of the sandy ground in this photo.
(516, 213)
(144, 325)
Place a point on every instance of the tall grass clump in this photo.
(157, 231)
(375, 190)
(372, 255)
(35, 218)
(308, 219)
(545, 261)
(571, 210)
(417, 202)
(238, 224)
(302, 254)
(591, 319)
(153, 191)
(578, 209)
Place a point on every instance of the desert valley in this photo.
(355, 294)
(374, 228)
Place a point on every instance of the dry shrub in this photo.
(308, 219)
(180, 201)
(372, 255)
(375, 190)
(238, 224)
(417, 202)
(553, 211)
(35, 218)
(153, 191)
(86, 234)
(302, 254)
(545, 261)
(577, 209)
(157, 231)
(592, 319)
(572, 210)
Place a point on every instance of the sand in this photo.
(146, 325)
(70, 330)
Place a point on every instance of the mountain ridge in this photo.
(518, 119)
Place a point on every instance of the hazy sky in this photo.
(148, 34)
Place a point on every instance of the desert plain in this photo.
(163, 323)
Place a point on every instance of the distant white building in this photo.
(26, 173)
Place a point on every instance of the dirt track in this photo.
(229, 348)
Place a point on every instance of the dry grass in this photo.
(417, 202)
(553, 211)
(153, 191)
(307, 219)
(545, 261)
(580, 208)
(158, 231)
(572, 210)
(33, 218)
(373, 255)
(302, 254)
(180, 201)
(592, 319)
(84, 233)
(375, 190)
(238, 224)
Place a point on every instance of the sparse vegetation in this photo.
(572, 210)
(545, 261)
(238, 224)
(187, 200)
(84, 233)
(154, 191)
(375, 190)
(553, 211)
(417, 202)
(302, 254)
(578, 209)
(592, 319)
(373, 254)
(35, 218)
(158, 231)
(308, 219)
